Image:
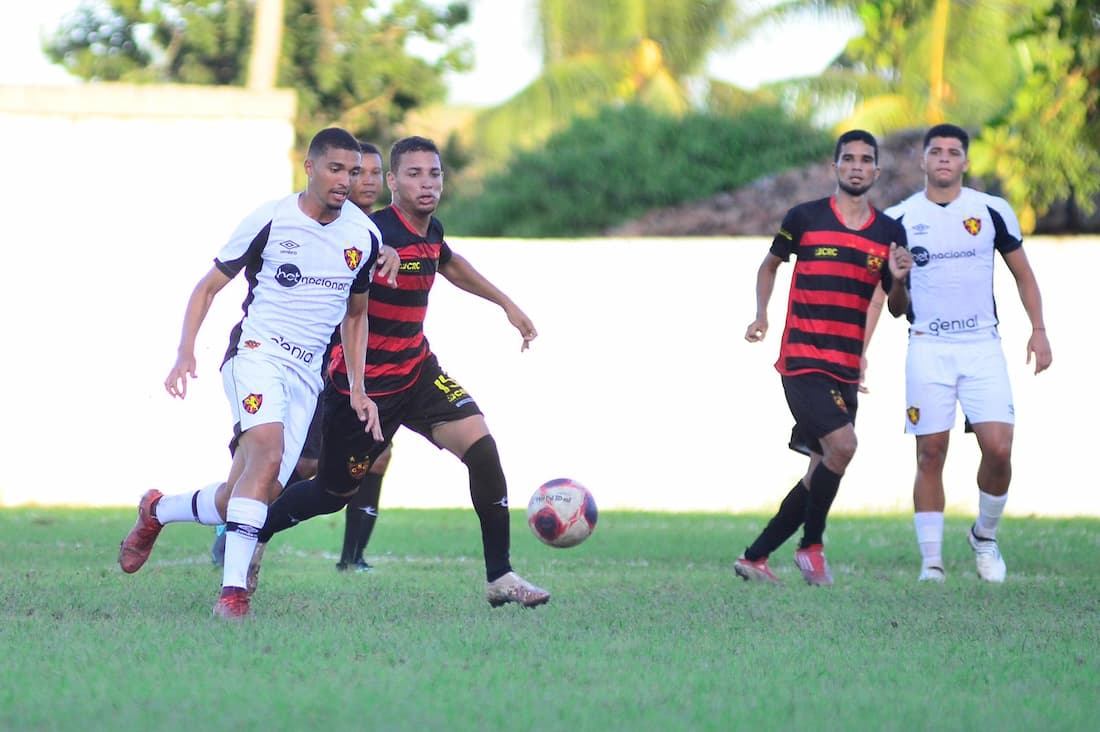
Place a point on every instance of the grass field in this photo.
(648, 629)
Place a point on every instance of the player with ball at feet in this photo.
(848, 255)
(408, 384)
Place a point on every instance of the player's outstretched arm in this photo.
(462, 275)
(1026, 284)
(765, 284)
(198, 305)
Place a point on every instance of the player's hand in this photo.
(901, 261)
(524, 325)
(863, 375)
(176, 382)
(1039, 346)
(757, 330)
(367, 411)
(389, 263)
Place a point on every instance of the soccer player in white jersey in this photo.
(308, 259)
(955, 353)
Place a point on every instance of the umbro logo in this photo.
(289, 245)
(503, 502)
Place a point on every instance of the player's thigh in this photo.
(347, 448)
(931, 391)
(985, 392)
(442, 410)
(820, 405)
(269, 398)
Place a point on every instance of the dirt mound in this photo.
(758, 208)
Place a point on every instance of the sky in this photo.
(505, 49)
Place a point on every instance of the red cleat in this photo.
(811, 562)
(137, 545)
(233, 603)
(757, 571)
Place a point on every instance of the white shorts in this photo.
(939, 374)
(263, 390)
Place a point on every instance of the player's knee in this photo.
(998, 453)
(306, 467)
(382, 462)
(931, 455)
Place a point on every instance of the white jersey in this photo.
(951, 283)
(300, 273)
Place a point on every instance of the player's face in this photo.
(945, 162)
(418, 183)
(856, 170)
(364, 193)
(332, 175)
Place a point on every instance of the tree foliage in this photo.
(600, 53)
(349, 60)
(1046, 147)
(606, 169)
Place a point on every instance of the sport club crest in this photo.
(358, 468)
(252, 402)
(972, 226)
(839, 399)
(913, 413)
(874, 264)
(353, 257)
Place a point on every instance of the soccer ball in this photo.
(562, 513)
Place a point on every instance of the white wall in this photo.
(640, 384)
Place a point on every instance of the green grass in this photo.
(648, 629)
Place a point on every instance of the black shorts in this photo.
(819, 404)
(311, 450)
(347, 449)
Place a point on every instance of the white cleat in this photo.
(513, 588)
(991, 565)
(932, 574)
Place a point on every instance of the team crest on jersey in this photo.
(874, 264)
(358, 468)
(252, 402)
(353, 257)
(839, 400)
(972, 226)
(252, 345)
(913, 413)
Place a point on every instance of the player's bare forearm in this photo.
(198, 305)
(460, 273)
(765, 284)
(353, 334)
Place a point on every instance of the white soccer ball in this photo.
(562, 513)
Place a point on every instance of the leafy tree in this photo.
(608, 168)
(917, 61)
(1046, 147)
(600, 53)
(349, 60)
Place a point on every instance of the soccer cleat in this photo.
(757, 571)
(254, 568)
(991, 565)
(135, 548)
(217, 549)
(233, 603)
(359, 566)
(513, 588)
(932, 574)
(811, 562)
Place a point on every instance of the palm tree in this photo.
(917, 62)
(608, 52)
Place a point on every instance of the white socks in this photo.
(183, 506)
(990, 509)
(244, 518)
(929, 526)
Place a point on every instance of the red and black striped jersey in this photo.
(396, 345)
(835, 275)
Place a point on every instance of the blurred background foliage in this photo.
(623, 116)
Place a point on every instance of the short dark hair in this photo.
(368, 148)
(331, 137)
(946, 130)
(408, 145)
(855, 136)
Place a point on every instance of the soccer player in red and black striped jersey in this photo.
(848, 256)
(407, 382)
